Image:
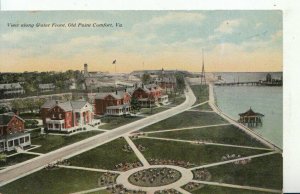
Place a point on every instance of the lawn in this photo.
(114, 122)
(209, 189)
(197, 154)
(186, 119)
(58, 181)
(155, 110)
(105, 156)
(201, 93)
(100, 192)
(203, 107)
(52, 142)
(228, 134)
(265, 172)
(16, 159)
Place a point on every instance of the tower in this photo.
(86, 73)
(203, 80)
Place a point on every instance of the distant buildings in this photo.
(149, 95)
(270, 81)
(12, 132)
(66, 117)
(11, 89)
(46, 87)
(114, 103)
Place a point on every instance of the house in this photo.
(12, 132)
(114, 103)
(67, 117)
(166, 83)
(11, 89)
(46, 87)
(150, 94)
(251, 118)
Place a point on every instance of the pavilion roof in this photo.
(250, 112)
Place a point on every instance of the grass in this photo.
(100, 192)
(265, 172)
(228, 134)
(114, 122)
(203, 107)
(208, 189)
(186, 119)
(197, 154)
(201, 93)
(58, 181)
(105, 156)
(16, 159)
(155, 110)
(52, 142)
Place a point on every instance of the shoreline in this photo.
(249, 131)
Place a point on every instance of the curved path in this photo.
(20, 170)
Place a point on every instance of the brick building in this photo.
(12, 133)
(113, 103)
(149, 94)
(68, 116)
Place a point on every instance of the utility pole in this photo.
(203, 80)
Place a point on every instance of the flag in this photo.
(114, 62)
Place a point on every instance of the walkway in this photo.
(89, 169)
(186, 128)
(234, 160)
(238, 186)
(90, 190)
(206, 143)
(137, 151)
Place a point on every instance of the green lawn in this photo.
(265, 172)
(58, 181)
(114, 122)
(201, 93)
(52, 142)
(197, 154)
(186, 119)
(228, 134)
(105, 156)
(155, 110)
(100, 192)
(208, 189)
(16, 159)
(203, 107)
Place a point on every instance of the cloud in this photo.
(228, 26)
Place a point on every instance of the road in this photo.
(20, 170)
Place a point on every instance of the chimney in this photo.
(116, 92)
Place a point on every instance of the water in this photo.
(266, 100)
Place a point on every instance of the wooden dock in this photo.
(247, 84)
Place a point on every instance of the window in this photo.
(10, 143)
(27, 139)
(22, 140)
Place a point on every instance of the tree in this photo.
(4, 109)
(30, 104)
(17, 105)
(135, 105)
(146, 78)
(39, 102)
(180, 82)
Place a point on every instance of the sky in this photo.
(231, 41)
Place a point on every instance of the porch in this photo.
(11, 141)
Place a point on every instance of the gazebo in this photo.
(251, 118)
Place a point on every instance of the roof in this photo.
(46, 86)
(11, 86)
(14, 135)
(6, 118)
(118, 95)
(250, 112)
(67, 106)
